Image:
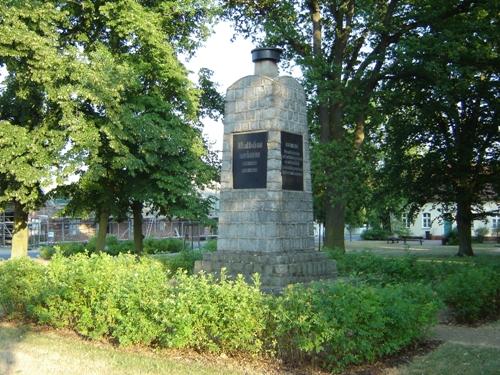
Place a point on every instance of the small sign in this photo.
(250, 160)
(292, 166)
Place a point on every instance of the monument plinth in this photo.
(266, 207)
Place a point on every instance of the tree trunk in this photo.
(464, 223)
(138, 237)
(334, 226)
(332, 130)
(20, 234)
(100, 243)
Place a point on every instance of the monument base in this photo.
(276, 269)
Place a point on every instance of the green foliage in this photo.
(117, 297)
(217, 316)
(21, 281)
(47, 252)
(374, 234)
(341, 324)
(150, 150)
(39, 102)
(133, 301)
(114, 246)
(481, 233)
(164, 245)
(442, 131)
(452, 237)
(184, 260)
(405, 269)
(471, 291)
(211, 245)
(473, 295)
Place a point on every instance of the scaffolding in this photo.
(45, 230)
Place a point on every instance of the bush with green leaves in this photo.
(374, 234)
(378, 269)
(100, 295)
(134, 301)
(183, 260)
(470, 289)
(47, 252)
(21, 282)
(340, 324)
(211, 245)
(163, 245)
(114, 246)
(481, 233)
(205, 314)
(473, 295)
(452, 237)
(67, 249)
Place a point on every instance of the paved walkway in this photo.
(488, 335)
(5, 253)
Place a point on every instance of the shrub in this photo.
(47, 252)
(377, 269)
(133, 301)
(21, 281)
(114, 246)
(340, 324)
(164, 245)
(211, 245)
(473, 294)
(374, 234)
(481, 233)
(452, 237)
(205, 314)
(181, 261)
(100, 295)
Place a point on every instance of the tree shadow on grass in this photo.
(10, 336)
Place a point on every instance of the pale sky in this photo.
(229, 61)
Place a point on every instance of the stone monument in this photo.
(266, 207)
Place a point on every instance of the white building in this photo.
(429, 224)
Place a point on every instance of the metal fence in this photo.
(44, 230)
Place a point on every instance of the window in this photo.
(405, 219)
(426, 220)
(495, 222)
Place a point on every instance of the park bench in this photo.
(413, 238)
(393, 239)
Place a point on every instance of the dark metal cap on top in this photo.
(267, 53)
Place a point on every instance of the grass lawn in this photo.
(430, 249)
(452, 359)
(26, 351)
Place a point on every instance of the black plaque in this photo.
(292, 166)
(250, 160)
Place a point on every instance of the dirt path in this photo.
(488, 336)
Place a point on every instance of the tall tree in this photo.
(443, 130)
(150, 150)
(42, 132)
(342, 47)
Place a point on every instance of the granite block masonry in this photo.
(266, 207)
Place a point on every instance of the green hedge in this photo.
(473, 295)
(20, 287)
(470, 289)
(378, 269)
(133, 301)
(114, 247)
(374, 234)
(340, 324)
